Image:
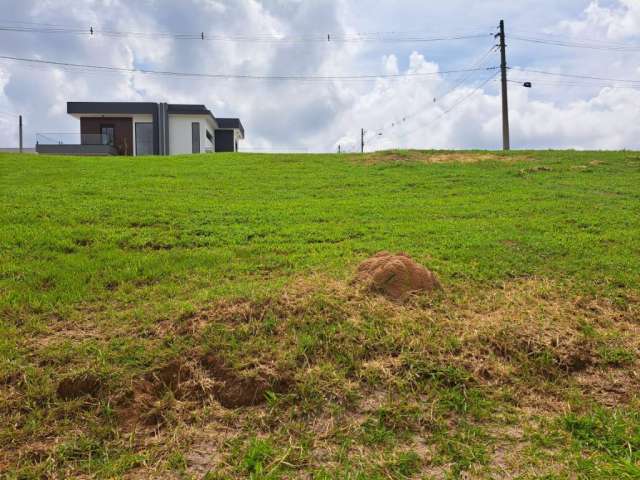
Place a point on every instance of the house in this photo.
(228, 133)
(140, 128)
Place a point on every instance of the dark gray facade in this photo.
(225, 141)
(77, 150)
(227, 135)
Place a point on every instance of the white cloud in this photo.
(317, 116)
(617, 23)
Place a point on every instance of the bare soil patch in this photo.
(78, 386)
(238, 390)
(610, 387)
(194, 382)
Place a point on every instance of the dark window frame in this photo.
(195, 139)
(113, 133)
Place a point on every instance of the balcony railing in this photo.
(73, 138)
(73, 143)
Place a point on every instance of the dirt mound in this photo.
(396, 276)
(76, 387)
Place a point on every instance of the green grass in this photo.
(115, 267)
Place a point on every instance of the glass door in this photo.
(144, 138)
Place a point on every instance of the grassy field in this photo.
(194, 317)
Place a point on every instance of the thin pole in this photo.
(506, 140)
(20, 131)
(362, 140)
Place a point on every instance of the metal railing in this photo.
(73, 138)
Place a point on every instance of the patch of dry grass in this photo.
(397, 382)
(435, 156)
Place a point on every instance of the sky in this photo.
(407, 100)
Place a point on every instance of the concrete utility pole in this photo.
(20, 131)
(362, 140)
(506, 141)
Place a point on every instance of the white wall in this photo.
(237, 136)
(180, 133)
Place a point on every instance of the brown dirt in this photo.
(193, 382)
(76, 387)
(207, 452)
(396, 276)
(12, 379)
(241, 391)
(609, 386)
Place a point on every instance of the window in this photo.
(107, 135)
(144, 138)
(209, 146)
(195, 137)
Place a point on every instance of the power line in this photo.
(235, 76)
(584, 77)
(384, 37)
(479, 61)
(450, 108)
(453, 107)
(387, 32)
(569, 83)
(558, 43)
(568, 38)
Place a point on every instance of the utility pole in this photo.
(20, 131)
(506, 141)
(362, 140)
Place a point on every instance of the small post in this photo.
(20, 131)
(506, 141)
(362, 140)
(339, 148)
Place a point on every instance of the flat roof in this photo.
(111, 107)
(231, 123)
(132, 108)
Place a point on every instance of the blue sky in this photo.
(317, 116)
